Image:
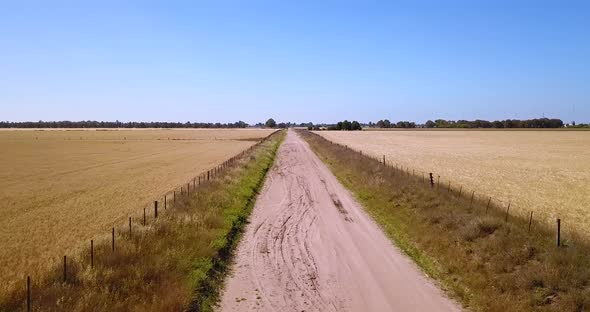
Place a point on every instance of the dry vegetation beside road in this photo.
(59, 189)
(547, 172)
(174, 263)
(488, 261)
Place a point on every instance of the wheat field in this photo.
(547, 172)
(59, 188)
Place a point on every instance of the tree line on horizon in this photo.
(474, 124)
(271, 123)
(118, 124)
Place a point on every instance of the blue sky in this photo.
(318, 61)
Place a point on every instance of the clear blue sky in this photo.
(318, 61)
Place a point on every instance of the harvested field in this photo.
(547, 172)
(59, 189)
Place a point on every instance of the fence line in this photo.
(213, 172)
(395, 166)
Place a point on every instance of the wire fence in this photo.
(162, 202)
(458, 190)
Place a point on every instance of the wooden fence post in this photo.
(165, 203)
(143, 216)
(383, 159)
(530, 221)
(431, 180)
(65, 269)
(507, 211)
(129, 226)
(558, 232)
(438, 183)
(460, 190)
(92, 254)
(488, 207)
(471, 201)
(28, 293)
(449, 187)
(155, 209)
(113, 235)
(174, 200)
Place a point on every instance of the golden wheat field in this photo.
(547, 172)
(59, 189)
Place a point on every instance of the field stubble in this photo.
(59, 189)
(547, 172)
(487, 260)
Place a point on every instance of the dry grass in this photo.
(59, 189)
(486, 262)
(168, 265)
(547, 172)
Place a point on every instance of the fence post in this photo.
(28, 293)
(471, 201)
(113, 235)
(449, 187)
(155, 209)
(65, 269)
(431, 180)
(174, 200)
(460, 190)
(143, 216)
(438, 183)
(208, 173)
(129, 226)
(530, 221)
(558, 232)
(92, 254)
(507, 211)
(488, 207)
(383, 159)
(165, 203)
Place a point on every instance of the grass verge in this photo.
(174, 263)
(486, 260)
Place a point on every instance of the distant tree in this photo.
(430, 124)
(282, 125)
(356, 125)
(405, 124)
(497, 124)
(271, 123)
(346, 125)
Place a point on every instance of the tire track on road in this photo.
(310, 247)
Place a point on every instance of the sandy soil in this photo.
(311, 247)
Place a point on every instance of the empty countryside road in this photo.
(309, 246)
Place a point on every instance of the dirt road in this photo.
(311, 247)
